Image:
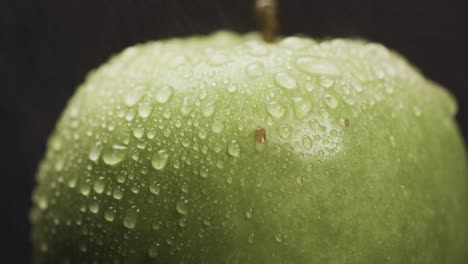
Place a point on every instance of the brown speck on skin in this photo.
(260, 135)
(346, 122)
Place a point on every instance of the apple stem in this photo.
(267, 15)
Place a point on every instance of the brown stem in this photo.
(267, 15)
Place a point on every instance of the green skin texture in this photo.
(363, 161)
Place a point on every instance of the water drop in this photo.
(131, 217)
(156, 225)
(302, 109)
(113, 155)
(203, 172)
(285, 80)
(159, 160)
(202, 134)
(306, 142)
(326, 82)
(164, 94)
(154, 188)
(185, 108)
(117, 194)
(145, 109)
(255, 69)
(255, 49)
(279, 238)
(95, 152)
(251, 238)
(99, 185)
(417, 111)
(275, 109)
(232, 88)
(130, 115)
(93, 207)
(284, 131)
(392, 141)
(135, 188)
(234, 148)
(295, 43)
(109, 214)
(217, 59)
(331, 101)
(138, 132)
(249, 213)
(208, 109)
(184, 188)
(42, 202)
(133, 97)
(85, 188)
(217, 126)
(182, 207)
(153, 250)
(317, 66)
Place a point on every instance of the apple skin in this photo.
(156, 158)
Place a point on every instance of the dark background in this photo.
(47, 46)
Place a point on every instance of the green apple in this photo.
(228, 149)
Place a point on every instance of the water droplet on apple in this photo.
(417, 111)
(275, 109)
(185, 108)
(326, 82)
(255, 69)
(85, 188)
(133, 97)
(135, 188)
(95, 152)
(145, 109)
(184, 188)
(217, 126)
(279, 238)
(256, 49)
(302, 109)
(93, 207)
(234, 148)
(159, 160)
(249, 213)
(182, 222)
(204, 172)
(164, 94)
(182, 207)
(99, 185)
(208, 109)
(114, 155)
(232, 88)
(153, 250)
(202, 134)
(317, 66)
(295, 43)
(284, 131)
(251, 239)
(42, 202)
(138, 132)
(285, 80)
(131, 217)
(331, 101)
(117, 193)
(307, 142)
(109, 214)
(154, 188)
(217, 59)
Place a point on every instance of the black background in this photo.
(47, 46)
